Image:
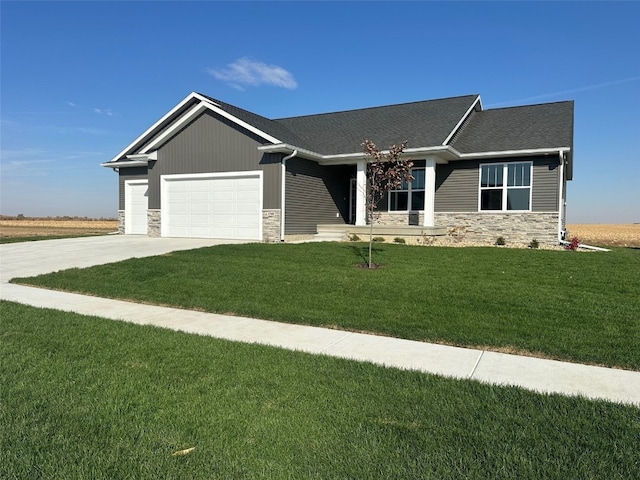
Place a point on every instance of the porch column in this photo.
(429, 191)
(361, 189)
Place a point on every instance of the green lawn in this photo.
(35, 238)
(83, 397)
(567, 305)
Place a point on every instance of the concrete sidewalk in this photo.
(531, 373)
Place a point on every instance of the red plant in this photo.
(574, 244)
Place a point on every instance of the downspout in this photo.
(561, 202)
(282, 190)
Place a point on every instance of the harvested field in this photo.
(621, 235)
(19, 228)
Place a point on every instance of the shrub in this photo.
(427, 239)
(534, 243)
(354, 238)
(378, 239)
(457, 233)
(399, 240)
(500, 241)
(573, 244)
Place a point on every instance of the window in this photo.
(410, 196)
(505, 186)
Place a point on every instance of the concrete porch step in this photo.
(331, 235)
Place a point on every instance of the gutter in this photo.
(561, 203)
(586, 247)
(444, 152)
(282, 191)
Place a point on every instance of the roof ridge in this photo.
(528, 105)
(378, 107)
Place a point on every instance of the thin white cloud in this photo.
(71, 104)
(101, 111)
(246, 72)
(566, 92)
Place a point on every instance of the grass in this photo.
(35, 238)
(84, 397)
(567, 305)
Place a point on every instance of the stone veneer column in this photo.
(121, 222)
(153, 223)
(271, 225)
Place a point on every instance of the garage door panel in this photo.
(213, 207)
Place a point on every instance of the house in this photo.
(210, 169)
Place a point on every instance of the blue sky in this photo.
(81, 80)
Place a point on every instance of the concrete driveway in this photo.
(27, 259)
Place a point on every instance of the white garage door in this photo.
(212, 205)
(136, 201)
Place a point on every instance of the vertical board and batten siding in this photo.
(133, 173)
(457, 184)
(314, 195)
(211, 144)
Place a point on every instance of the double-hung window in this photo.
(410, 195)
(505, 186)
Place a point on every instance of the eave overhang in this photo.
(442, 154)
(141, 160)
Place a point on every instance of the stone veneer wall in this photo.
(404, 218)
(271, 225)
(153, 223)
(121, 222)
(486, 227)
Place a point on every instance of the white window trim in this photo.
(504, 187)
(409, 191)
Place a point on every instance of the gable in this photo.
(518, 128)
(421, 124)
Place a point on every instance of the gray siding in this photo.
(457, 184)
(457, 187)
(314, 195)
(546, 179)
(213, 144)
(133, 173)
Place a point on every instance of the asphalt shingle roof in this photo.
(421, 124)
(517, 128)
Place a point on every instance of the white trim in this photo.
(164, 179)
(283, 192)
(511, 153)
(204, 103)
(442, 153)
(464, 117)
(561, 193)
(429, 192)
(504, 188)
(361, 193)
(197, 110)
(125, 164)
(409, 190)
(149, 130)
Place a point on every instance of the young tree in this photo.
(385, 172)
